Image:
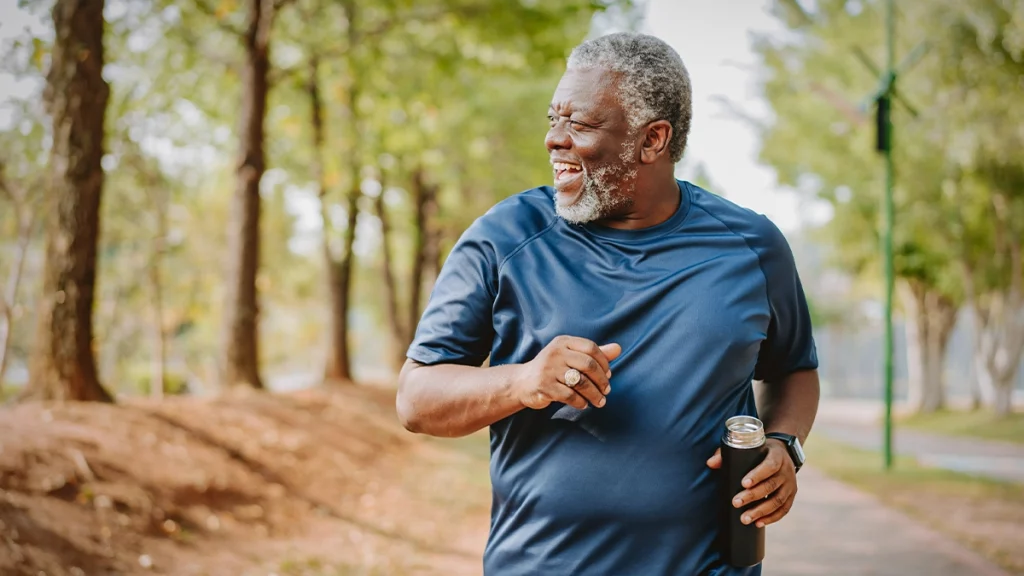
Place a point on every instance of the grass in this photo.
(983, 514)
(974, 424)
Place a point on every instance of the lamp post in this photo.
(882, 99)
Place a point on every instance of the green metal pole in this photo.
(889, 176)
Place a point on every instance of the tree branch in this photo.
(279, 4)
(210, 11)
(732, 109)
(794, 7)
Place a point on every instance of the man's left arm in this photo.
(788, 392)
(788, 406)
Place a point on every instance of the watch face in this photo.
(798, 450)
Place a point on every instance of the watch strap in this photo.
(788, 440)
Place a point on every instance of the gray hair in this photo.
(655, 84)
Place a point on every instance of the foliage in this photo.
(457, 88)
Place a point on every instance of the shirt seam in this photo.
(520, 247)
(760, 264)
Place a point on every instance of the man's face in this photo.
(591, 147)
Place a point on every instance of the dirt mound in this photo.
(319, 482)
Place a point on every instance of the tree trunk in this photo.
(63, 366)
(339, 366)
(339, 267)
(399, 333)
(998, 334)
(929, 323)
(1002, 400)
(916, 326)
(239, 346)
(9, 299)
(426, 247)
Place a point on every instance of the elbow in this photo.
(406, 411)
(405, 405)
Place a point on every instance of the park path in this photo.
(989, 458)
(840, 531)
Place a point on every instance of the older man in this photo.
(626, 315)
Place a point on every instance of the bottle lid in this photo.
(744, 432)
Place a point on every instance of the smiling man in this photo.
(626, 316)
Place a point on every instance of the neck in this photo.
(655, 200)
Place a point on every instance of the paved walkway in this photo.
(839, 531)
(990, 458)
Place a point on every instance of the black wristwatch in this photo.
(796, 452)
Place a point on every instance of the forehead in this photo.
(589, 89)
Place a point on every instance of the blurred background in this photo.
(280, 181)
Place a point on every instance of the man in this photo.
(625, 315)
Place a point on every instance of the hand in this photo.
(541, 381)
(773, 483)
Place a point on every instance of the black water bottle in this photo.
(743, 448)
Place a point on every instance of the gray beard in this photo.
(602, 195)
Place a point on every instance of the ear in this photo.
(657, 136)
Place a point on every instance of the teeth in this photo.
(563, 166)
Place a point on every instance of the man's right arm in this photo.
(452, 400)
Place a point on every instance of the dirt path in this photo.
(322, 482)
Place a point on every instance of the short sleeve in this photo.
(456, 325)
(789, 346)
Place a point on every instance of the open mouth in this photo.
(565, 171)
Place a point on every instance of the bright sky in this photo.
(714, 40)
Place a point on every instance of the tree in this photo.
(63, 366)
(25, 214)
(239, 361)
(984, 51)
(820, 142)
(399, 72)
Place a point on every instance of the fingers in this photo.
(589, 367)
(778, 514)
(590, 349)
(771, 465)
(774, 507)
(758, 492)
(715, 462)
(588, 390)
(611, 351)
(566, 395)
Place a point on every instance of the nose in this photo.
(557, 138)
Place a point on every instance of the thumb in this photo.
(715, 462)
(611, 351)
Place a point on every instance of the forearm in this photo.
(790, 404)
(449, 400)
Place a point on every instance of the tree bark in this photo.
(998, 333)
(340, 277)
(930, 320)
(239, 356)
(398, 331)
(916, 326)
(338, 367)
(9, 298)
(426, 247)
(62, 366)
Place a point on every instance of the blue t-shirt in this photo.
(701, 304)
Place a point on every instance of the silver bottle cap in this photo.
(744, 432)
